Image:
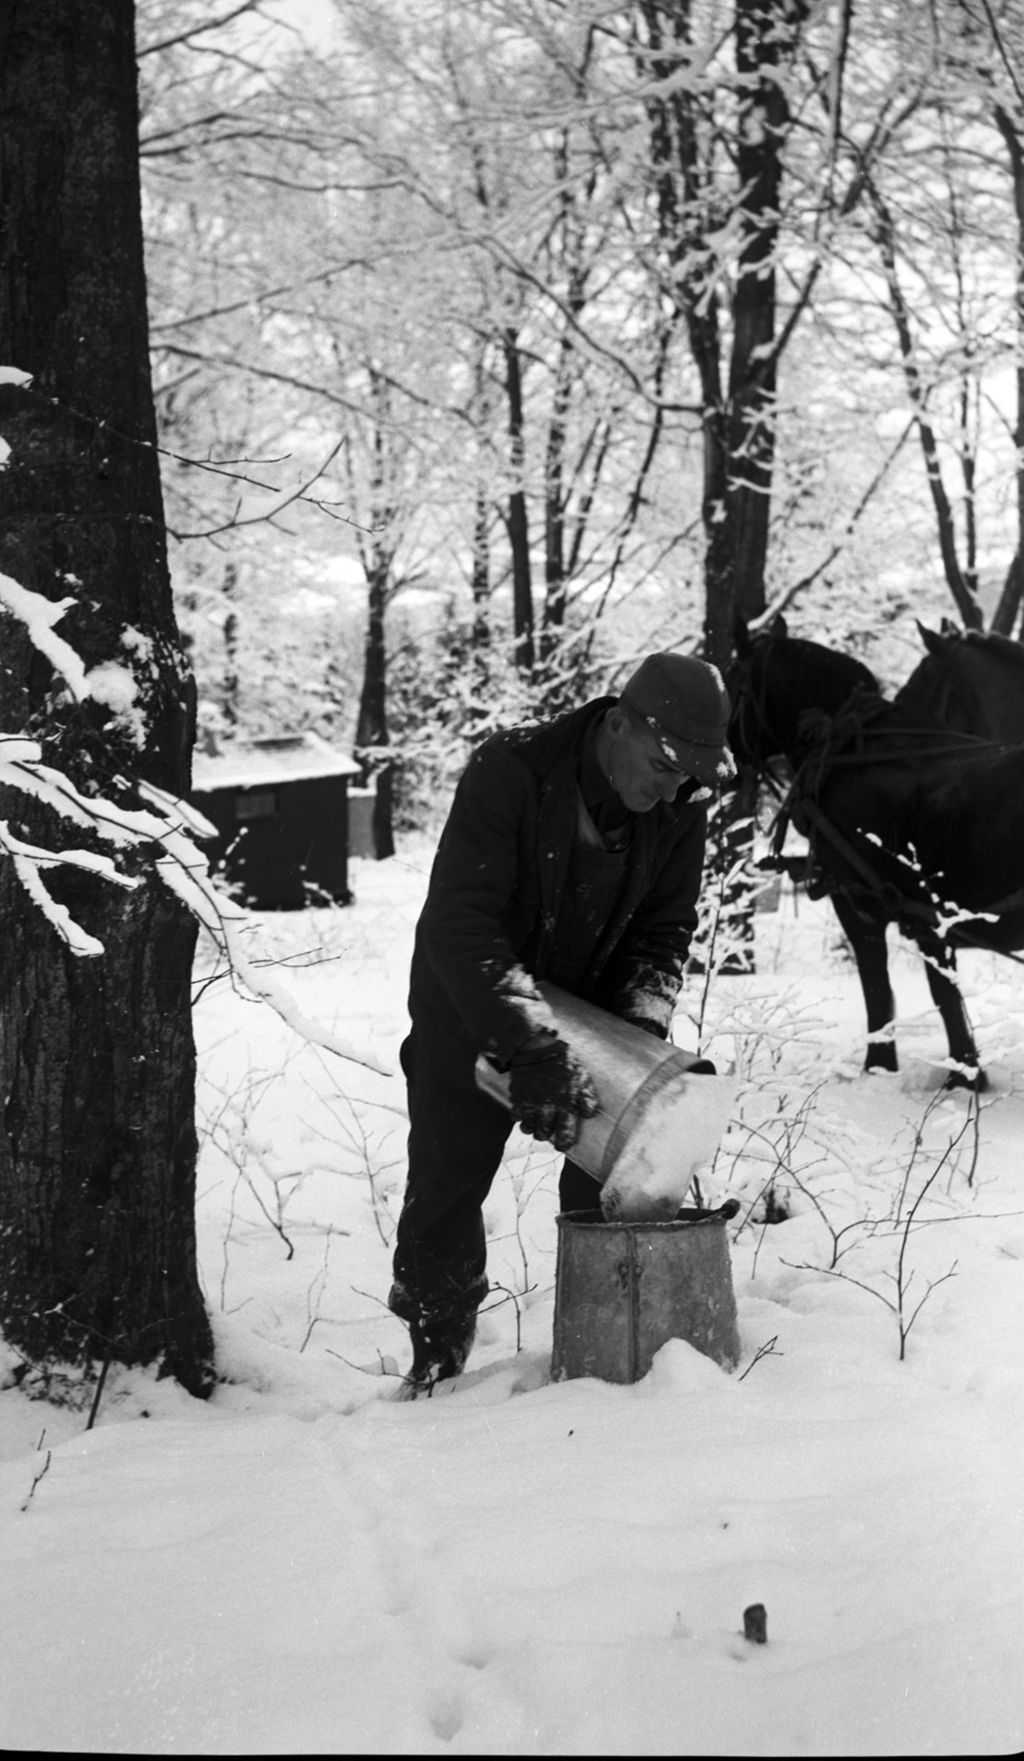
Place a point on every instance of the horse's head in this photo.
(970, 681)
(774, 680)
(750, 731)
(929, 691)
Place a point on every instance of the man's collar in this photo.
(605, 806)
(593, 782)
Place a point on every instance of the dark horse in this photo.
(907, 822)
(970, 680)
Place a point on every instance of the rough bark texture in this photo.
(97, 1062)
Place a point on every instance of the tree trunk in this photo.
(230, 680)
(738, 410)
(480, 576)
(372, 725)
(97, 1062)
(378, 558)
(1010, 602)
(1005, 615)
(573, 242)
(518, 525)
(964, 597)
(738, 399)
(766, 33)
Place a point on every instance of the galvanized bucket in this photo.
(623, 1289)
(661, 1115)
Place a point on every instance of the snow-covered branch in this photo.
(165, 830)
(40, 615)
(161, 835)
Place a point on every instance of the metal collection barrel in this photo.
(638, 1271)
(623, 1289)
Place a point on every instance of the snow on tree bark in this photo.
(97, 1061)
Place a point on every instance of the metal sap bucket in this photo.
(659, 1120)
(623, 1289)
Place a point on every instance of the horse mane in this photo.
(868, 715)
(991, 642)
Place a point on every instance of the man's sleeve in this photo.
(645, 974)
(476, 873)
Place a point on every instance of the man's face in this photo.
(639, 769)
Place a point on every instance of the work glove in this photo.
(646, 1025)
(551, 1093)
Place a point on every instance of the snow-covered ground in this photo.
(304, 1565)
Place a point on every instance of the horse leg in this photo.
(866, 936)
(940, 966)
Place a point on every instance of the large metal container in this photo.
(623, 1289)
(661, 1114)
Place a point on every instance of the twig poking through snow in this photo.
(41, 1473)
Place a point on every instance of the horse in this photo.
(968, 679)
(907, 822)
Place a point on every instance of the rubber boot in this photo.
(439, 1353)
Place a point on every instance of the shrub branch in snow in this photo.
(904, 1222)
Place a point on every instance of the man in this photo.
(573, 852)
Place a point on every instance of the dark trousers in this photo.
(457, 1136)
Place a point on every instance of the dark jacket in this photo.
(486, 931)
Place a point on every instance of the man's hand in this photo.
(551, 1093)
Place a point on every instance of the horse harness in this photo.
(840, 741)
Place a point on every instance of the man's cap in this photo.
(685, 702)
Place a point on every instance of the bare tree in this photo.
(578, 245)
(734, 343)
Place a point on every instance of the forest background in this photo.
(495, 346)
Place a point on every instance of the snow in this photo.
(107, 683)
(301, 757)
(28, 859)
(39, 615)
(115, 686)
(304, 1565)
(678, 1130)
